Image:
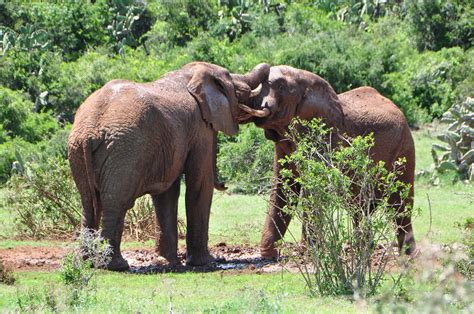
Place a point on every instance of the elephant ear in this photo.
(214, 91)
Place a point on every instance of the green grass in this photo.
(188, 292)
(450, 203)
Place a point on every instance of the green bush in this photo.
(178, 23)
(436, 23)
(347, 244)
(429, 82)
(72, 26)
(29, 71)
(44, 199)
(245, 161)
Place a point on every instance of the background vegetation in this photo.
(53, 55)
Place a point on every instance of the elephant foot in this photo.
(410, 249)
(199, 259)
(171, 258)
(269, 253)
(118, 263)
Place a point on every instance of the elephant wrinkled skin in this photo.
(131, 139)
(290, 93)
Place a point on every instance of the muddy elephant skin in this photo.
(131, 139)
(290, 93)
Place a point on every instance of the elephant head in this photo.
(221, 95)
(289, 93)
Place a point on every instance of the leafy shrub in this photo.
(246, 160)
(19, 119)
(179, 22)
(46, 203)
(459, 154)
(73, 26)
(436, 24)
(77, 80)
(44, 199)
(429, 83)
(19, 151)
(31, 72)
(304, 19)
(347, 243)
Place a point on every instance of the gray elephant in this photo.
(290, 93)
(131, 139)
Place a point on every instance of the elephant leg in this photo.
(199, 190)
(404, 232)
(113, 221)
(405, 236)
(88, 220)
(166, 209)
(277, 221)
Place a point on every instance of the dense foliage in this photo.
(53, 55)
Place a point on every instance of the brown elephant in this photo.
(131, 139)
(290, 93)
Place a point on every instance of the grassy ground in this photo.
(237, 220)
(189, 292)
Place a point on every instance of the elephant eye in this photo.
(281, 86)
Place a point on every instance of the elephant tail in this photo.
(218, 185)
(94, 193)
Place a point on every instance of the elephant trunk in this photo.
(253, 78)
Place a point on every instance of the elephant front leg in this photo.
(277, 221)
(166, 209)
(199, 190)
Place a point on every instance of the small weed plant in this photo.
(347, 244)
(79, 266)
(6, 275)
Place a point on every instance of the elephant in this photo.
(130, 139)
(288, 93)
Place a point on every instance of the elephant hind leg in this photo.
(112, 229)
(405, 236)
(166, 209)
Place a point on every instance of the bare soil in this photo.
(240, 258)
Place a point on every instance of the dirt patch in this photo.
(227, 258)
(241, 258)
(32, 258)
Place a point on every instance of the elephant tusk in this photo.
(256, 91)
(265, 112)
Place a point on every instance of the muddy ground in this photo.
(141, 260)
(227, 258)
